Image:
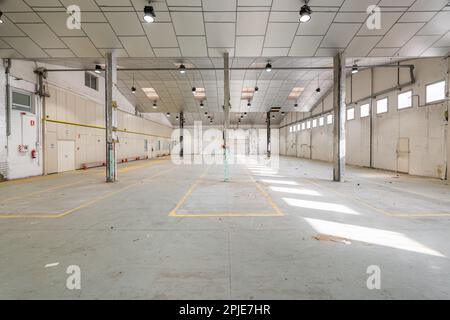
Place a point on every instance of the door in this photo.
(66, 155)
(403, 155)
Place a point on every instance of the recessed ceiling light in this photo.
(149, 14)
(355, 68)
(268, 67)
(98, 68)
(182, 69)
(305, 12)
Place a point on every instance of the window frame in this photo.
(330, 116)
(91, 77)
(321, 121)
(368, 110)
(398, 101)
(21, 107)
(387, 105)
(439, 100)
(314, 123)
(346, 114)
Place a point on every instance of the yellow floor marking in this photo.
(65, 213)
(269, 199)
(134, 167)
(387, 213)
(408, 191)
(42, 178)
(173, 213)
(41, 191)
(266, 195)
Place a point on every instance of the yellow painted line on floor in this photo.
(269, 199)
(266, 195)
(65, 213)
(27, 195)
(408, 191)
(387, 213)
(40, 177)
(134, 167)
(173, 213)
(225, 214)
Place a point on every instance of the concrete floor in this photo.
(168, 231)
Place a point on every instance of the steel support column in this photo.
(226, 110)
(268, 135)
(110, 71)
(181, 134)
(339, 117)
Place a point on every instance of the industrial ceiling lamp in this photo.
(1, 17)
(305, 13)
(155, 105)
(149, 14)
(256, 89)
(296, 105)
(355, 68)
(98, 69)
(268, 66)
(133, 89)
(201, 105)
(249, 104)
(194, 89)
(182, 69)
(168, 114)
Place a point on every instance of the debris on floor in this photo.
(327, 237)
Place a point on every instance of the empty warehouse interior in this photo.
(224, 150)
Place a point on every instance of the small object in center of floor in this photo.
(327, 237)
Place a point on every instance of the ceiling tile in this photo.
(249, 46)
(188, 23)
(161, 34)
(280, 34)
(102, 35)
(220, 35)
(219, 5)
(361, 46)
(81, 46)
(57, 21)
(251, 23)
(42, 35)
(387, 21)
(26, 47)
(60, 53)
(305, 46)
(339, 35)
(399, 35)
(193, 46)
(132, 27)
(167, 52)
(417, 45)
(137, 46)
(438, 25)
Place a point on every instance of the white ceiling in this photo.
(207, 28)
(198, 32)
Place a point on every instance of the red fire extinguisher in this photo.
(34, 154)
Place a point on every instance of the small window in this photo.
(90, 81)
(314, 123)
(303, 126)
(329, 119)
(405, 100)
(22, 100)
(365, 110)
(298, 127)
(293, 128)
(308, 124)
(290, 129)
(321, 120)
(382, 106)
(435, 92)
(351, 114)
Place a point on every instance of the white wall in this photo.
(423, 124)
(68, 90)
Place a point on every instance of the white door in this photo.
(66, 155)
(403, 155)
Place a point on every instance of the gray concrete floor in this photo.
(168, 231)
